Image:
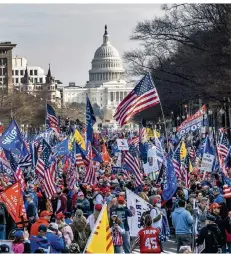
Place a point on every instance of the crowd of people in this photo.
(198, 216)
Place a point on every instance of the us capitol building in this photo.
(106, 86)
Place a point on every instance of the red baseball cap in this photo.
(98, 207)
(214, 205)
(60, 216)
(45, 213)
(121, 200)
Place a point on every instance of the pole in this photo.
(166, 135)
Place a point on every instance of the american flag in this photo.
(52, 120)
(192, 153)
(48, 181)
(79, 160)
(134, 141)
(143, 96)
(18, 174)
(43, 160)
(90, 176)
(142, 134)
(186, 170)
(25, 161)
(176, 162)
(223, 147)
(133, 163)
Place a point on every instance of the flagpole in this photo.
(45, 114)
(162, 111)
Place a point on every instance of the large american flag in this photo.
(45, 170)
(52, 120)
(79, 160)
(134, 164)
(72, 175)
(143, 96)
(223, 152)
(90, 176)
(176, 162)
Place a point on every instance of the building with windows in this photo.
(19, 65)
(106, 86)
(6, 84)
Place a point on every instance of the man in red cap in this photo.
(44, 219)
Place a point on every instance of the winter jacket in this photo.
(201, 218)
(222, 225)
(219, 199)
(211, 236)
(67, 234)
(123, 214)
(31, 210)
(39, 242)
(21, 247)
(35, 226)
(182, 221)
(56, 242)
(63, 207)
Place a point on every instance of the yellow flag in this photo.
(183, 151)
(149, 133)
(100, 240)
(157, 134)
(79, 139)
(190, 167)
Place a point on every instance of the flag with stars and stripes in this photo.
(134, 164)
(17, 171)
(52, 122)
(223, 152)
(186, 170)
(90, 176)
(176, 162)
(142, 97)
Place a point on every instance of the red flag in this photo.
(13, 199)
(105, 155)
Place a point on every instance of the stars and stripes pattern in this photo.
(142, 97)
(49, 185)
(90, 176)
(176, 162)
(43, 160)
(192, 153)
(134, 141)
(72, 175)
(134, 164)
(18, 173)
(25, 161)
(52, 120)
(223, 147)
(142, 134)
(79, 160)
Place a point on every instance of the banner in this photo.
(138, 205)
(11, 140)
(122, 144)
(13, 199)
(152, 164)
(61, 148)
(193, 122)
(207, 162)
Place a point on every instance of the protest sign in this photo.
(122, 144)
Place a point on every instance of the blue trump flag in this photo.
(12, 140)
(90, 120)
(208, 148)
(170, 185)
(61, 148)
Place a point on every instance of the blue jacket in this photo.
(219, 199)
(84, 205)
(123, 213)
(56, 242)
(182, 221)
(37, 242)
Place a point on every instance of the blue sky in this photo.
(45, 33)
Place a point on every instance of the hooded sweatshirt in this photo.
(182, 221)
(35, 226)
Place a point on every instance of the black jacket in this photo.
(211, 234)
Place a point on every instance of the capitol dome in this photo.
(106, 65)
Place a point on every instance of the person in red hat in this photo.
(65, 229)
(91, 220)
(44, 219)
(107, 195)
(97, 196)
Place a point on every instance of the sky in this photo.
(67, 35)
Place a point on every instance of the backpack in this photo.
(213, 236)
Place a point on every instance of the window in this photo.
(13, 72)
(21, 72)
(40, 80)
(35, 80)
(16, 72)
(31, 72)
(35, 72)
(16, 80)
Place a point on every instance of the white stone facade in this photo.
(106, 86)
(36, 73)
